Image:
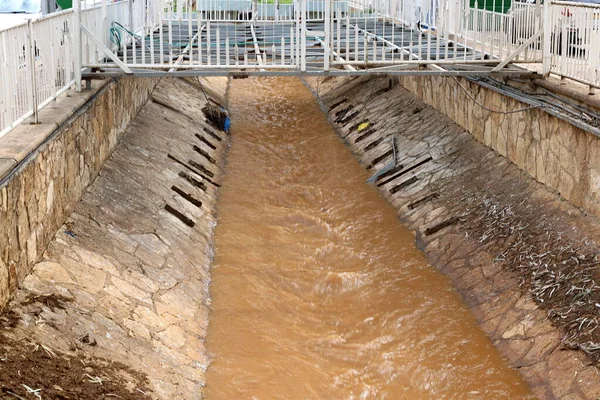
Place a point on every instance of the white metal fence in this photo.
(498, 34)
(574, 41)
(434, 32)
(40, 59)
(36, 65)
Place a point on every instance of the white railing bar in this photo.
(192, 67)
(517, 51)
(256, 48)
(184, 52)
(575, 4)
(106, 50)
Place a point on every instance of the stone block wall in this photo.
(551, 150)
(41, 192)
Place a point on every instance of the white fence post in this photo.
(547, 41)
(77, 43)
(328, 42)
(30, 59)
(105, 28)
(130, 8)
(303, 30)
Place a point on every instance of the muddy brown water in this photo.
(317, 291)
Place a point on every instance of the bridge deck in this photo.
(222, 48)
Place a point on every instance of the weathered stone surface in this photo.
(96, 261)
(53, 272)
(548, 148)
(88, 278)
(137, 275)
(454, 166)
(173, 337)
(131, 291)
(6, 165)
(43, 192)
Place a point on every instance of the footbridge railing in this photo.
(42, 58)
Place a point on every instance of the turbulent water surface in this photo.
(318, 292)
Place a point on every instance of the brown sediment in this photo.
(29, 368)
(523, 259)
(27, 365)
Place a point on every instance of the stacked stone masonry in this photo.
(551, 150)
(41, 191)
(442, 180)
(133, 257)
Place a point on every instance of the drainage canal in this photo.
(318, 292)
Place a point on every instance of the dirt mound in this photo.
(30, 370)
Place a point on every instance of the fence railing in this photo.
(575, 41)
(498, 34)
(100, 21)
(39, 59)
(36, 66)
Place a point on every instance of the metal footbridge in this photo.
(311, 37)
(43, 58)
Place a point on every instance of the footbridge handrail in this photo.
(42, 58)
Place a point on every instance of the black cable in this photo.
(489, 109)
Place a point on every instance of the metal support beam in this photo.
(256, 47)
(303, 30)
(31, 64)
(106, 51)
(327, 47)
(335, 54)
(187, 49)
(414, 56)
(523, 74)
(518, 51)
(547, 43)
(77, 54)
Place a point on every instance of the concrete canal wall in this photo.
(125, 276)
(550, 149)
(498, 201)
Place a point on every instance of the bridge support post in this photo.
(327, 41)
(547, 40)
(77, 43)
(130, 18)
(30, 57)
(304, 33)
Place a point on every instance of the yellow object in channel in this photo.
(363, 126)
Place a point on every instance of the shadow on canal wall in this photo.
(523, 259)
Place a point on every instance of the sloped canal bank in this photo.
(523, 259)
(318, 291)
(117, 308)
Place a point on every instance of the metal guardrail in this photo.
(574, 41)
(36, 66)
(38, 58)
(42, 58)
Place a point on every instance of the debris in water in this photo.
(218, 116)
(363, 126)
